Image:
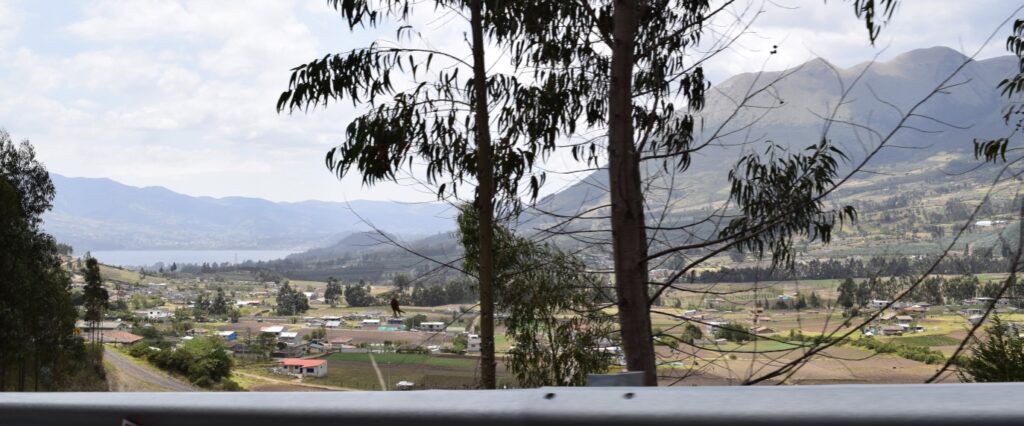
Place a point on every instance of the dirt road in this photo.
(129, 377)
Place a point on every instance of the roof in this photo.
(225, 333)
(289, 334)
(904, 318)
(273, 329)
(120, 337)
(101, 325)
(304, 363)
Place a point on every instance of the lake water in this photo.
(151, 257)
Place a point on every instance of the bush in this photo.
(203, 360)
(734, 332)
(914, 353)
(140, 350)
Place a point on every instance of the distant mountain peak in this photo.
(930, 55)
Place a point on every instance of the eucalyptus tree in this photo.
(445, 118)
(95, 296)
(38, 346)
(555, 316)
(628, 67)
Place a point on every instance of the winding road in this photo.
(133, 377)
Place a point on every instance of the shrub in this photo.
(734, 332)
(139, 350)
(914, 353)
(203, 360)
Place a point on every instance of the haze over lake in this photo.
(152, 257)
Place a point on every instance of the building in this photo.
(472, 343)
(405, 385)
(904, 321)
(714, 325)
(432, 326)
(332, 323)
(274, 329)
(305, 367)
(763, 330)
(878, 303)
(122, 338)
(371, 323)
(155, 314)
(396, 321)
(228, 336)
(892, 330)
(102, 326)
(289, 337)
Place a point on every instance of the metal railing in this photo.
(874, 405)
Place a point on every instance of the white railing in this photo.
(870, 405)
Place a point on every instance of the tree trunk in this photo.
(629, 238)
(484, 202)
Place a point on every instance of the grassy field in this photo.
(354, 370)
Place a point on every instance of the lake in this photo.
(152, 257)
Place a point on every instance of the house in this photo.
(892, 330)
(289, 337)
(244, 303)
(228, 335)
(916, 309)
(878, 303)
(473, 343)
(763, 330)
(714, 325)
(432, 326)
(981, 301)
(332, 323)
(396, 321)
(155, 314)
(122, 338)
(102, 326)
(904, 321)
(370, 323)
(274, 329)
(305, 367)
(405, 385)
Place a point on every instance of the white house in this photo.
(274, 329)
(305, 367)
(371, 322)
(155, 314)
(332, 323)
(473, 343)
(878, 304)
(432, 326)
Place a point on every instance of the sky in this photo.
(182, 94)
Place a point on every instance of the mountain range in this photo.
(790, 108)
(101, 214)
(786, 108)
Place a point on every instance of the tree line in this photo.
(39, 346)
(818, 269)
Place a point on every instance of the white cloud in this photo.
(182, 93)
